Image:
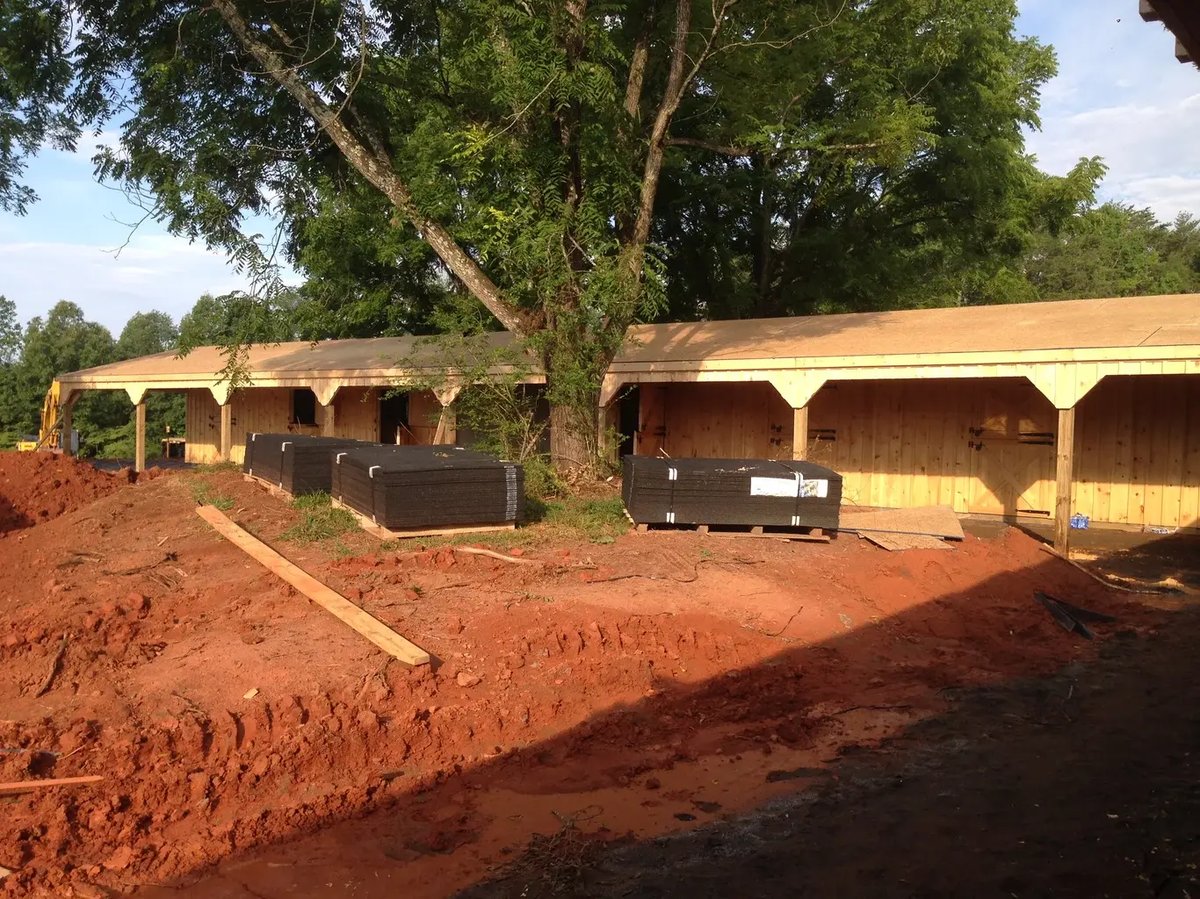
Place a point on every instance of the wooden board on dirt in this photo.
(378, 530)
(896, 542)
(328, 599)
(934, 521)
(28, 786)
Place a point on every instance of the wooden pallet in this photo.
(273, 489)
(807, 535)
(378, 530)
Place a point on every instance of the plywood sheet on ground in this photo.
(935, 521)
(896, 542)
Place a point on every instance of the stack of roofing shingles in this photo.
(731, 492)
(425, 487)
(297, 463)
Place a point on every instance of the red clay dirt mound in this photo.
(36, 487)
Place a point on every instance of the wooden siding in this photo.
(984, 447)
(1138, 451)
(269, 409)
(356, 413)
(722, 421)
(979, 446)
(203, 428)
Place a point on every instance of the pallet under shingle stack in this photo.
(296, 463)
(731, 492)
(405, 488)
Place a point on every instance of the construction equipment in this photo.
(49, 435)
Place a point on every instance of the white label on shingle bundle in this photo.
(797, 486)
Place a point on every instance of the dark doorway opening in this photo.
(304, 407)
(627, 419)
(393, 419)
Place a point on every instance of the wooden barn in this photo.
(362, 389)
(1039, 410)
(1034, 411)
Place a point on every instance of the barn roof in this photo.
(1011, 334)
(1013, 330)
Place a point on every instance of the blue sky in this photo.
(1119, 94)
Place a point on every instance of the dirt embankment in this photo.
(37, 487)
(662, 680)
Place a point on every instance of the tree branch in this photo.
(722, 149)
(378, 170)
(677, 85)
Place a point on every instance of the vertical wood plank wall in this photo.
(269, 409)
(977, 446)
(982, 446)
(203, 428)
(720, 421)
(1138, 451)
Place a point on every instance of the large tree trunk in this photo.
(572, 441)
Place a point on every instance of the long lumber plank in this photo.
(330, 600)
(28, 786)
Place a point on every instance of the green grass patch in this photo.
(204, 494)
(566, 519)
(596, 520)
(319, 520)
(217, 467)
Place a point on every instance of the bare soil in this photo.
(252, 745)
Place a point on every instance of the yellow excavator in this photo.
(49, 435)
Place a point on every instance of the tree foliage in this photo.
(572, 165)
(64, 341)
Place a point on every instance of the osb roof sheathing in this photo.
(927, 333)
(918, 337)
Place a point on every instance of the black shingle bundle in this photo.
(297, 463)
(424, 487)
(731, 492)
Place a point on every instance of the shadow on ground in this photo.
(1079, 784)
(1086, 783)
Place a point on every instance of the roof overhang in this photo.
(1182, 17)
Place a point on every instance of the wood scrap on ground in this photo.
(1147, 589)
(1071, 618)
(15, 788)
(55, 664)
(333, 602)
(894, 542)
(933, 521)
(492, 554)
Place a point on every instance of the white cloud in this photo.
(153, 272)
(1121, 95)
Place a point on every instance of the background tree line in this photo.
(1107, 250)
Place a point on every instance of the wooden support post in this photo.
(139, 437)
(447, 427)
(1064, 446)
(800, 433)
(227, 431)
(328, 420)
(64, 417)
(608, 432)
